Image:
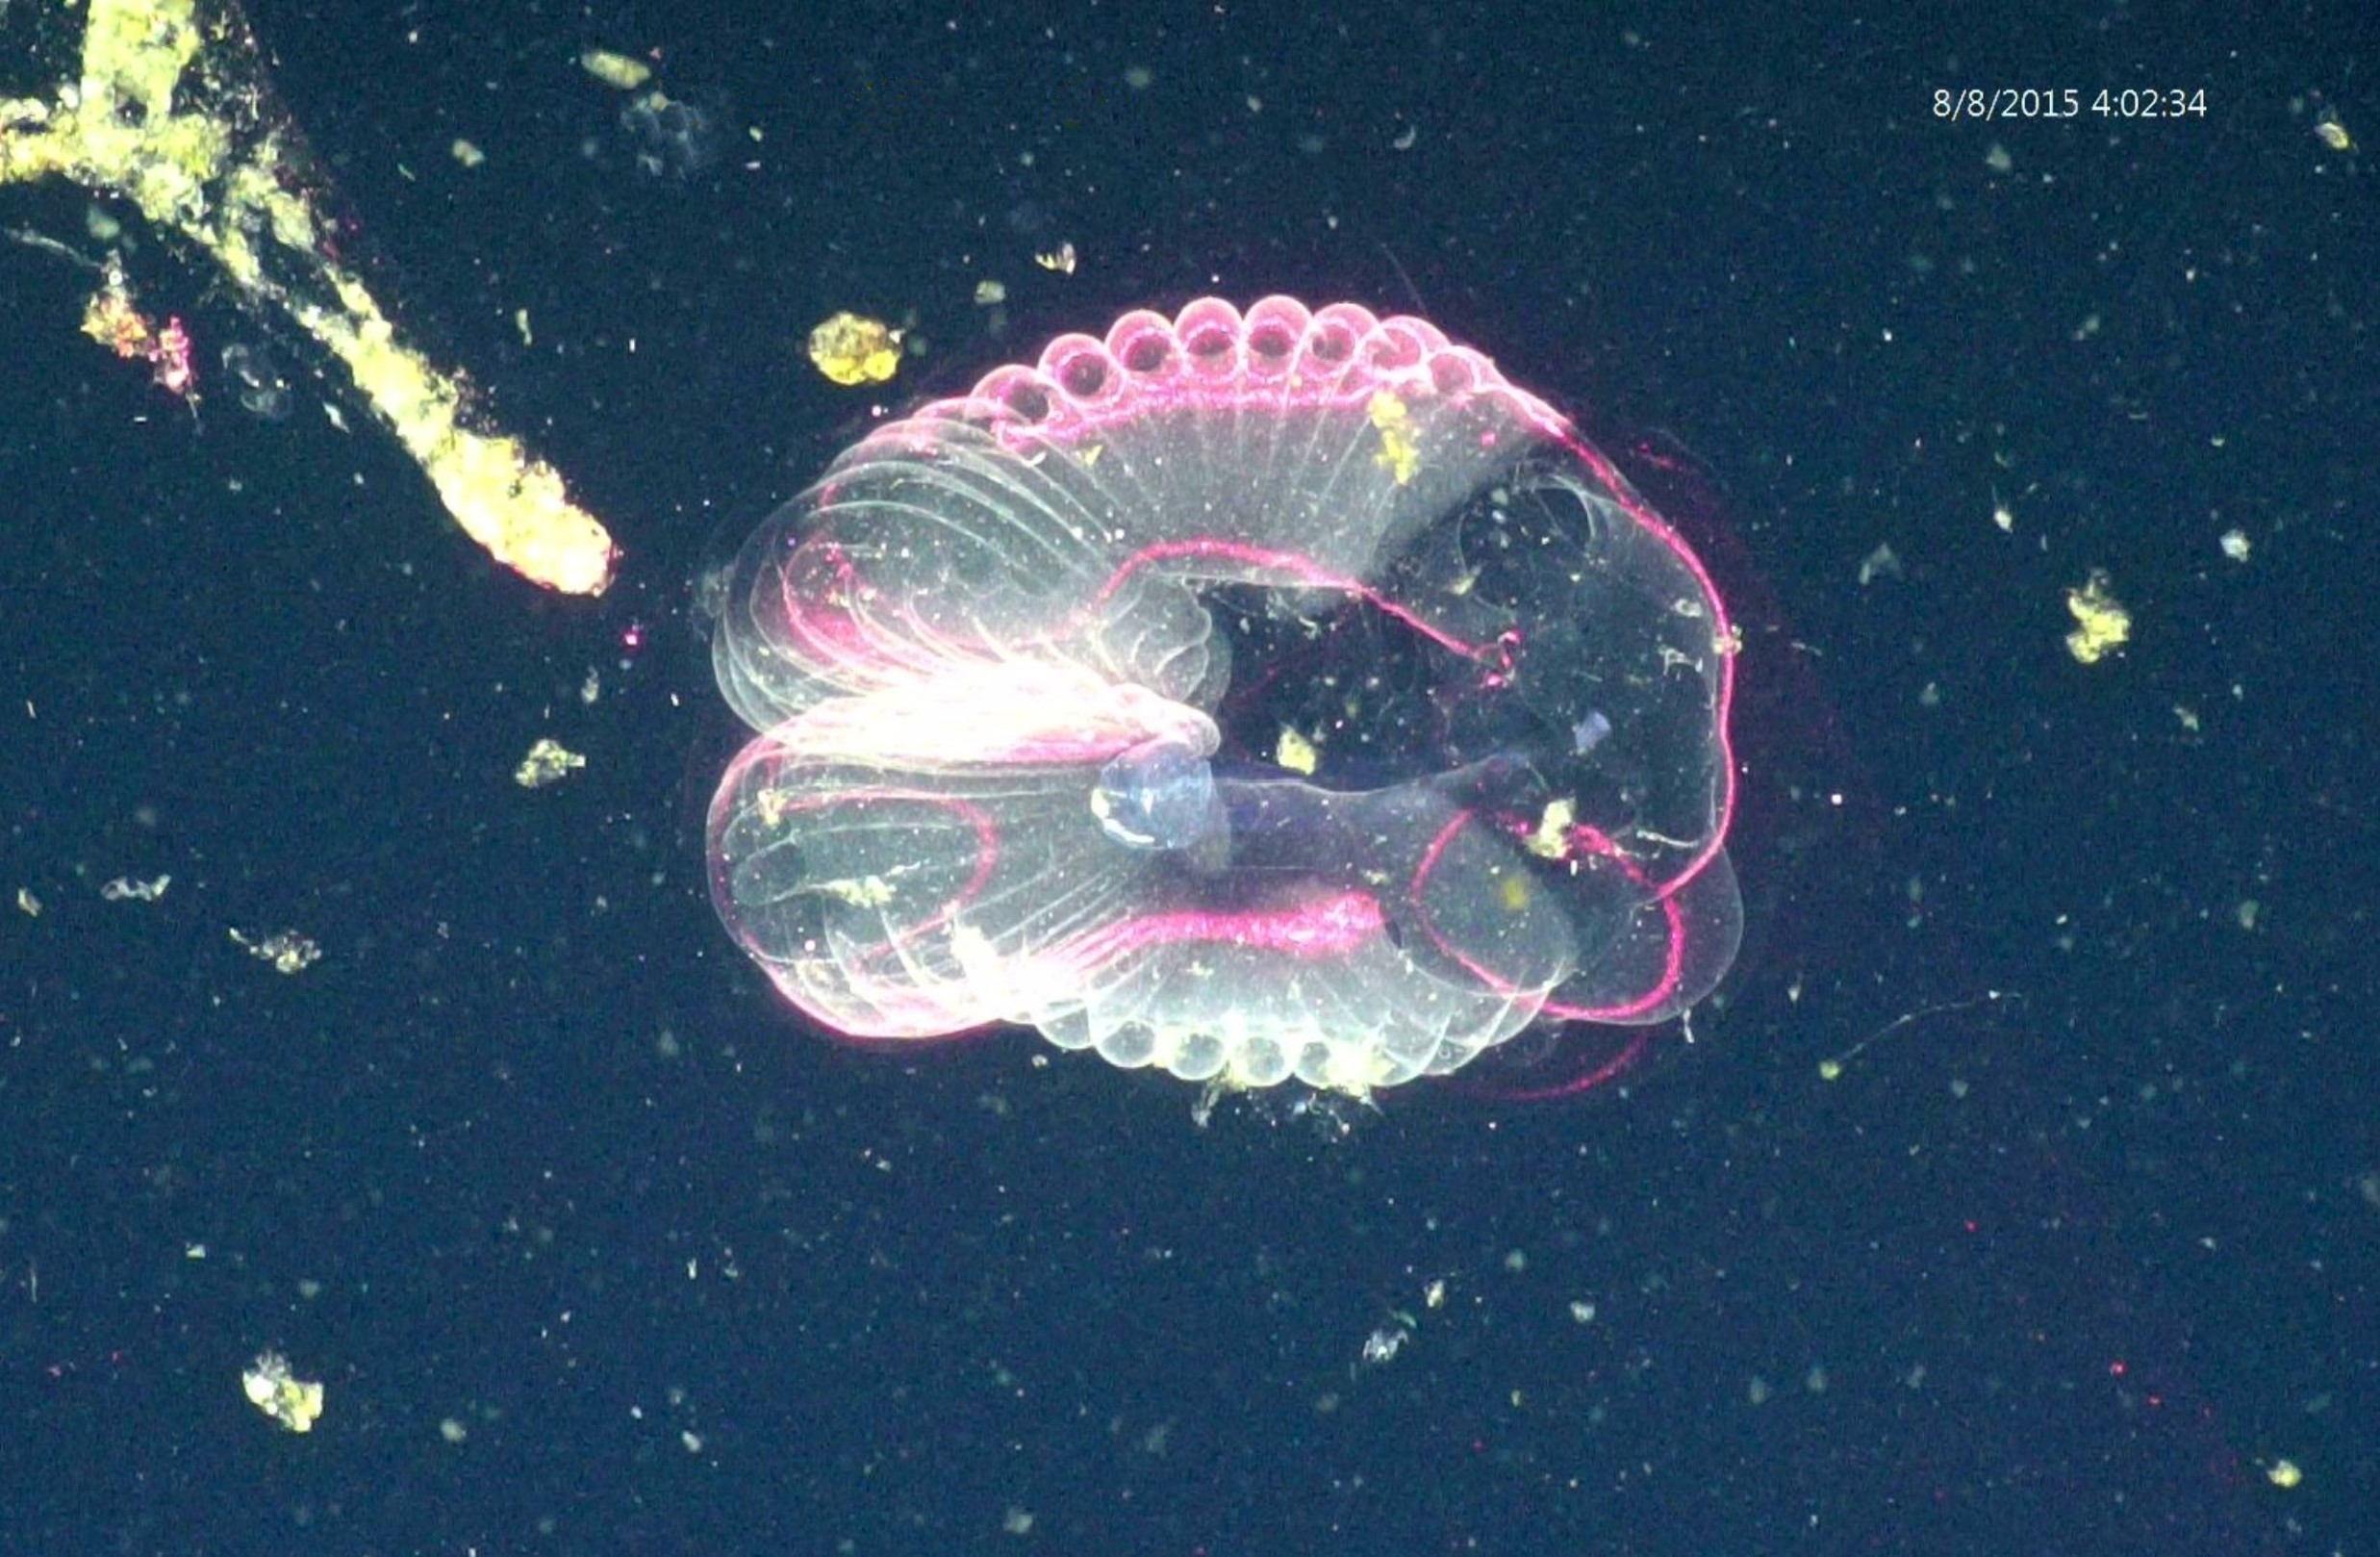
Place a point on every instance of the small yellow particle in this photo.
(289, 951)
(851, 350)
(466, 154)
(1399, 456)
(548, 762)
(1060, 259)
(2284, 1473)
(1294, 752)
(1552, 838)
(293, 1402)
(991, 293)
(2102, 625)
(27, 904)
(859, 891)
(614, 69)
(2334, 134)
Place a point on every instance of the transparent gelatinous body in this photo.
(1160, 795)
(1265, 695)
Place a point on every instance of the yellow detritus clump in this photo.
(165, 111)
(1399, 455)
(2101, 624)
(851, 350)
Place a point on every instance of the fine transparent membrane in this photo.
(1161, 794)
(1253, 695)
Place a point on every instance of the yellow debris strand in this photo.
(166, 113)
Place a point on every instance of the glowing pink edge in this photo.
(1280, 353)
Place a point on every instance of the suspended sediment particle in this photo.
(548, 762)
(851, 350)
(289, 951)
(615, 69)
(132, 889)
(294, 1402)
(2101, 624)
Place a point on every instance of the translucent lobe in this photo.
(1159, 795)
(995, 655)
